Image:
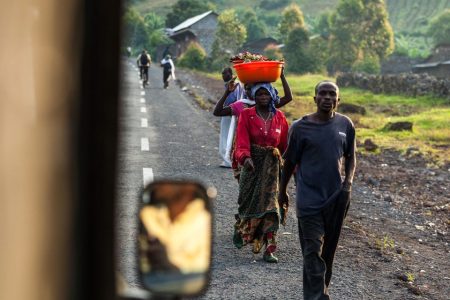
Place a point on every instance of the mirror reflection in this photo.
(175, 237)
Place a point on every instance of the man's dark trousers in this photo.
(319, 236)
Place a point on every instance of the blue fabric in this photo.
(272, 91)
(234, 95)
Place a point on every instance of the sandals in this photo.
(270, 258)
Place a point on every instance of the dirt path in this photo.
(395, 244)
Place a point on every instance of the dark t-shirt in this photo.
(318, 150)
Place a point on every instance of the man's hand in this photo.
(248, 164)
(347, 186)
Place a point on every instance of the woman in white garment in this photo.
(168, 70)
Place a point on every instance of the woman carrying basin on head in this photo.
(261, 138)
(237, 107)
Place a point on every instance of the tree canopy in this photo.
(230, 36)
(359, 30)
(439, 28)
(256, 29)
(292, 17)
(143, 32)
(185, 9)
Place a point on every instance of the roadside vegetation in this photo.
(429, 115)
(347, 35)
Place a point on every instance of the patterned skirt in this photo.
(258, 219)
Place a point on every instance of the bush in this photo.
(369, 65)
(193, 58)
(273, 52)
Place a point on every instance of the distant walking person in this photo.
(168, 70)
(144, 61)
(320, 146)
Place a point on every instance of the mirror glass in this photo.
(175, 235)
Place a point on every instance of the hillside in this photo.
(406, 16)
(413, 16)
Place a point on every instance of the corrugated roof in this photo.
(189, 22)
(426, 65)
(430, 65)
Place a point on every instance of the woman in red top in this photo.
(237, 107)
(261, 138)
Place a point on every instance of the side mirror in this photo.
(175, 237)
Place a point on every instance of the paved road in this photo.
(182, 142)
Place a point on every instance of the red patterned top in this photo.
(252, 129)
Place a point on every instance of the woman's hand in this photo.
(283, 199)
(231, 85)
(248, 164)
(282, 71)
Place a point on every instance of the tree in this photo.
(256, 29)
(143, 32)
(297, 54)
(359, 29)
(292, 17)
(376, 32)
(185, 9)
(135, 30)
(344, 42)
(153, 21)
(439, 28)
(322, 25)
(230, 36)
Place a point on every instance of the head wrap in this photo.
(272, 91)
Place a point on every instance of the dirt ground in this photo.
(399, 219)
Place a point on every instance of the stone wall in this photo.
(405, 83)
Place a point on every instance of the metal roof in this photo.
(430, 65)
(189, 22)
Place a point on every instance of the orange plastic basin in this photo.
(259, 71)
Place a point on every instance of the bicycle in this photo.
(144, 76)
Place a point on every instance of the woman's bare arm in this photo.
(287, 91)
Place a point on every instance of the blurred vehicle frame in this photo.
(59, 145)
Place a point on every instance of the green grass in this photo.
(430, 116)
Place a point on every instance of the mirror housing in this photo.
(175, 237)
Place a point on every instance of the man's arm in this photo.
(350, 163)
(286, 173)
(350, 166)
(287, 91)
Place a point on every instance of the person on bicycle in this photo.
(143, 61)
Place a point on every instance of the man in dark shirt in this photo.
(321, 145)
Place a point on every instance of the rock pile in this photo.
(406, 83)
